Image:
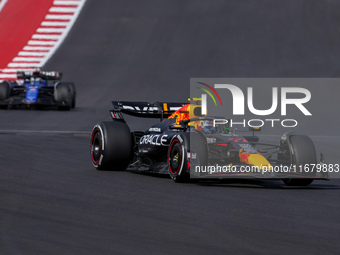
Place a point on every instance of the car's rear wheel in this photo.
(63, 96)
(303, 155)
(73, 91)
(111, 146)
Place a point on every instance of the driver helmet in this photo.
(207, 125)
(37, 80)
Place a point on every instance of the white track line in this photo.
(27, 59)
(54, 23)
(36, 48)
(45, 132)
(9, 70)
(29, 53)
(6, 76)
(66, 2)
(22, 64)
(2, 4)
(62, 9)
(38, 42)
(48, 37)
(59, 17)
(41, 36)
(50, 30)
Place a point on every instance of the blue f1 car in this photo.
(38, 88)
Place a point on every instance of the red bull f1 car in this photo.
(186, 145)
(38, 88)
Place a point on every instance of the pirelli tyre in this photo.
(182, 155)
(111, 146)
(63, 96)
(302, 151)
(4, 93)
(73, 91)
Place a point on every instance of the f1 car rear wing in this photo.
(144, 109)
(46, 75)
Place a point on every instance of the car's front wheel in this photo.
(186, 152)
(177, 158)
(302, 153)
(4, 93)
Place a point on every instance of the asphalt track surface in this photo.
(52, 201)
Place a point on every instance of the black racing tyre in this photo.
(177, 158)
(4, 93)
(303, 153)
(63, 96)
(111, 146)
(4, 90)
(182, 155)
(73, 90)
(297, 182)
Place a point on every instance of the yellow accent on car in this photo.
(259, 161)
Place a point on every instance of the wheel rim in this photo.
(175, 157)
(96, 146)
